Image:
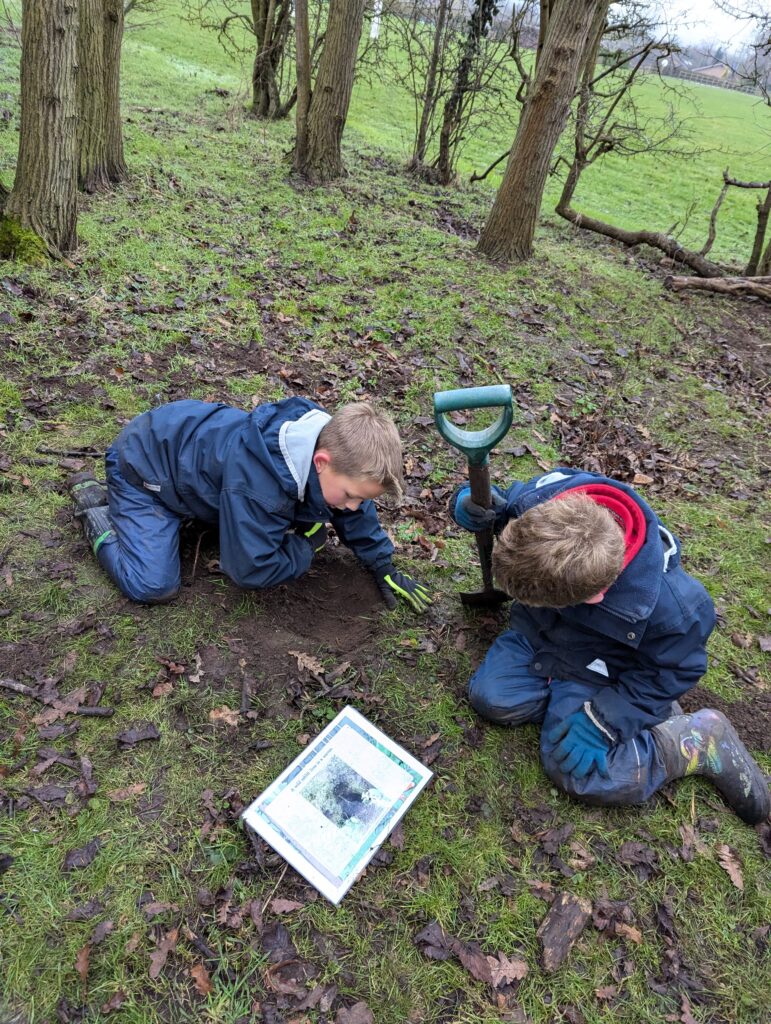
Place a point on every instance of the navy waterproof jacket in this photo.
(644, 644)
(253, 474)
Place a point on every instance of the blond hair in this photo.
(559, 553)
(364, 444)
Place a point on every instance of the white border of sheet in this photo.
(329, 883)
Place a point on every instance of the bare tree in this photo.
(510, 227)
(40, 213)
(331, 96)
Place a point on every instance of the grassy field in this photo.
(212, 274)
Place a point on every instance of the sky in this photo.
(696, 21)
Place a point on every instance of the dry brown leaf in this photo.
(224, 714)
(282, 906)
(606, 991)
(81, 963)
(729, 861)
(118, 796)
(201, 979)
(114, 1002)
(163, 688)
(196, 676)
(628, 931)
(133, 943)
(159, 955)
(642, 478)
(505, 970)
(308, 662)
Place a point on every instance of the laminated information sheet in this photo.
(330, 810)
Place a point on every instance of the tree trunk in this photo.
(271, 27)
(764, 209)
(113, 41)
(478, 26)
(92, 138)
(332, 92)
(303, 48)
(40, 216)
(429, 98)
(508, 233)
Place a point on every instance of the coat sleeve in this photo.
(362, 533)
(256, 548)
(641, 696)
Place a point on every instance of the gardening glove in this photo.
(314, 533)
(473, 517)
(581, 746)
(393, 584)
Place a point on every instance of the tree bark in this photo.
(508, 233)
(303, 49)
(760, 286)
(92, 128)
(40, 216)
(332, 92)
(113, 42)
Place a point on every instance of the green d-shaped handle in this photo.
(475, 444)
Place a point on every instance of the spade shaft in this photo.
(476, 446)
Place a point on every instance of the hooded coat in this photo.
(644, 645)
(251, 473)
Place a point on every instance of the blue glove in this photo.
(473, 517)
(581, 746)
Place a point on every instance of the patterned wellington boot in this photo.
(86, 492)
(97, 526)
(706, 743)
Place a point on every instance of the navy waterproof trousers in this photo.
(505, 691)
(141, 555)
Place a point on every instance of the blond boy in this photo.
(607, 631)
(270, 479)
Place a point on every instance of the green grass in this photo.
(271, 288)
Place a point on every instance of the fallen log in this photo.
(760, 286)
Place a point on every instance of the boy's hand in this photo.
(581, 747)
(394, 584)
(473, 517)
(314, 533)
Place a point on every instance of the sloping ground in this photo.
(128, 887)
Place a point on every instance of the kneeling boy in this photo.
(607, 631)
(271, 479)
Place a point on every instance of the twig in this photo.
(64, 453)
(197, 550)
(88, 712)
(14, 687)
(278, 883)
(246, 694)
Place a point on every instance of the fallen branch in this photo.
(656, 239)
(760, 286)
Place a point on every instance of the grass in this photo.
(211, 273)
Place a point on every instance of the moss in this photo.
(20, 243)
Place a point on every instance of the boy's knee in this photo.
(593, 788)
(144, 592)
(488, 702)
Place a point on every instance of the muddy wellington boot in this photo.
(86, 492)
(97, 526)
(706, 743)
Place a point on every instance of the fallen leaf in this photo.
(163, 688)
(730, 863)
(102, 930)
(686, 1017)
(133, 943)
(201, 979)
(505, 970)
(359, 1013)
(282, 906)
(118, 796)
(308, 663)
(606, 991)
(158, 956)
(137, 734)
(764, 642)
(85, 911)
(225, 714)
(114, 1002)
(81, 857)
(81, 963)
(628, 931)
